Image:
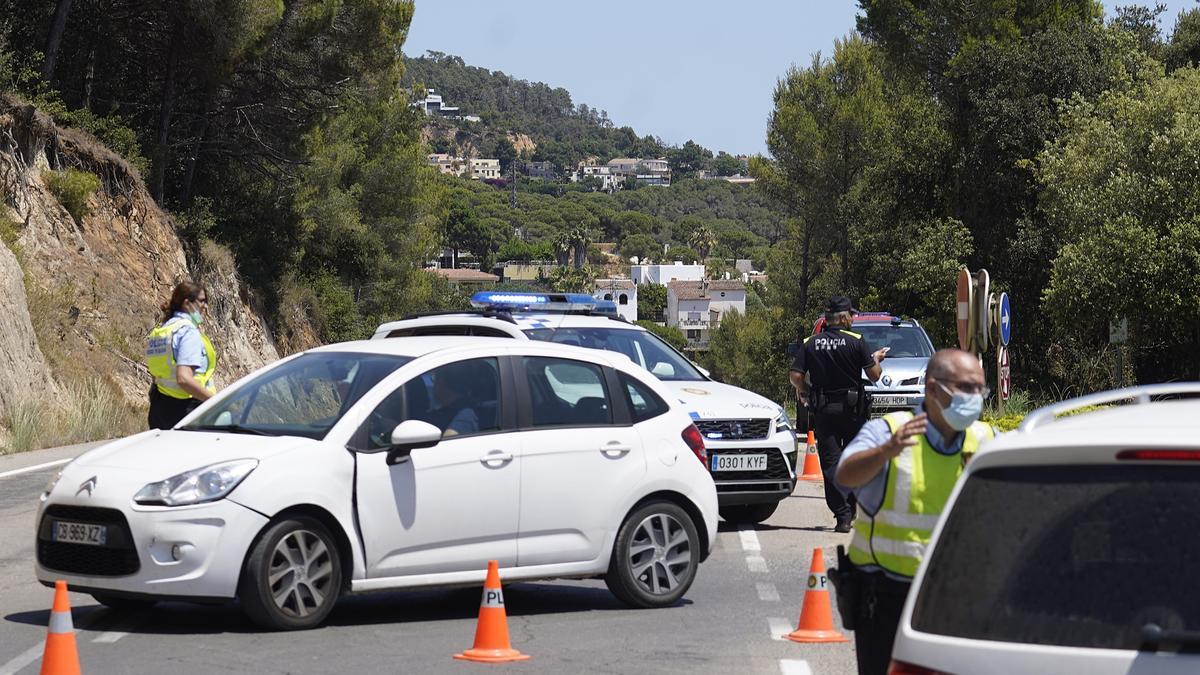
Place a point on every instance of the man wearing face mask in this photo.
(902, 468)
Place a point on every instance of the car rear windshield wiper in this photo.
(229, 428)
(1158, 639)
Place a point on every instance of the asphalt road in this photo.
(746, 595)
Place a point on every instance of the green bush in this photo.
(1007, 423)
(73, 188)
(671, 334)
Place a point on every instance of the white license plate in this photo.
(739, 463)
(889, 400)
(80, 533)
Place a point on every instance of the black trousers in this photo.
(166, 411)
(833, 432)
(880, 604)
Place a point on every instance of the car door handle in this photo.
(496, 459)
(615, 449)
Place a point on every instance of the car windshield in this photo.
(906, 342)
(645, 348)
(1079, 556)
(305, 396)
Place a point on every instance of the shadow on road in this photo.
(389, 607)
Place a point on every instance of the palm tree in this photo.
(703, 240)
(579, 238)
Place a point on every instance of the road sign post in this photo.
(1003, 378)
(963, 302)
(982, 303)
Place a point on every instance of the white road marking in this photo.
(794, 667)
(767, 592)
(36, 467)
(779, 628)
(109, 637)
(749, 539)
(756, 563)
(23, 659)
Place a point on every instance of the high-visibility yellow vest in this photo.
(160, 359)
(919, 482)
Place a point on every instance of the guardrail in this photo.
(1138, 395)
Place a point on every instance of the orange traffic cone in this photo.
(816, 614)
(491, 633)
(812, 461)
(60, 656)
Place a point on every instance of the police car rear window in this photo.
(1079, 556)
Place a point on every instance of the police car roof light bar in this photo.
(513, 301)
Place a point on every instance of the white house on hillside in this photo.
(665, 274)
(624, 293)
(697, 307)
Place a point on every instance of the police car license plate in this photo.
(889, 400)
(739, 462)
(80, 533)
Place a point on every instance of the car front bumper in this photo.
(755, 487)
(185, 552)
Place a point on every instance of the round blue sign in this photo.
(1005, 320)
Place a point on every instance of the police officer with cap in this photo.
(826, 374)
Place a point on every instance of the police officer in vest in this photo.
(834, 361)
(181, 359)
(902, 469)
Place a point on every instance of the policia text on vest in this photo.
(180, 358)
(903, 468)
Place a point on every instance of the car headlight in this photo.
(782, 423)
(206, 484)
(53, 481)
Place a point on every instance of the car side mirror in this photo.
(411, 435)
(792, 348)
(663, 369)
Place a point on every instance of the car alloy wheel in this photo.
(655, 556)
(293, 575)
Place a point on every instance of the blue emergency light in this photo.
(516, 301)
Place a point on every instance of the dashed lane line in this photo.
(767, 592)
(779, 628)
(36, 467)
(749, 539)
(757, 564)
(23, 659)
(794, 667)
(109, 637)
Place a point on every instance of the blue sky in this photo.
(678, 69)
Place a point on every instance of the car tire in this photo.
(748, 513)
(122, 603)
(655, 556)
(295, 560)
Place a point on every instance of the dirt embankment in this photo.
(78, 296)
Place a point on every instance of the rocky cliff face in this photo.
(95, 284)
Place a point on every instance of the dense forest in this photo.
(1043, 141)
(272, 127)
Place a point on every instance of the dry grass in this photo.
(89, 410)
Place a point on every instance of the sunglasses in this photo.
(963, 387)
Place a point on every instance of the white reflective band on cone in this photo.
(818, 582)
(60, 622)
(492, 597)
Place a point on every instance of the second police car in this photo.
(751, 443)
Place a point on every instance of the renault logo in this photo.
(89, 485)
(887, 380)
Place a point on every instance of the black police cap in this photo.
(839, 303)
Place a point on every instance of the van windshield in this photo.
(1078, 556)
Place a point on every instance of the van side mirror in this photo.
(792, 348)
(411, 435)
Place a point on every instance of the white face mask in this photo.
(963, 409)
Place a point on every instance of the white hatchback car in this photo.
(1068, 547)
(388, 464)
(752, 447)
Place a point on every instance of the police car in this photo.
(1068, 546)
(902, 384)
(752, 446)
